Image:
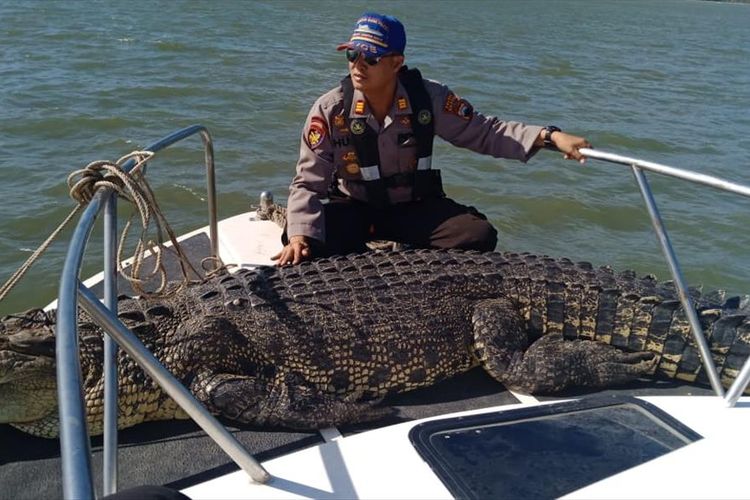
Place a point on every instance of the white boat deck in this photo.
(383, 464)
(247, 242)
(710, 468)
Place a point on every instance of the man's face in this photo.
(371, 78)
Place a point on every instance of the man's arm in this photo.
(457, 122)
(314, 175)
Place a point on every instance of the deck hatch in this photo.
(546, 451)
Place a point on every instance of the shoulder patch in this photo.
(451, 103)
(465, 110)
(457, 106)
(316, 132)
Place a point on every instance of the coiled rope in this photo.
(130, 186)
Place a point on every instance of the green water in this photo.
(667, 81)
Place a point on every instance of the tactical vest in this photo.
(424, 181)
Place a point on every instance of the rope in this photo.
(272, 212)
(214, 266)
(131, 186)
(21, 271)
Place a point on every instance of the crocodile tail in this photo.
(728, 333)
(634, 314)
(726, 327)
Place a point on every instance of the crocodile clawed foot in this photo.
(620, 367)
(553, 364)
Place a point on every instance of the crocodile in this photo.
(323, 342)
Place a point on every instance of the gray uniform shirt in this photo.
(327, 149)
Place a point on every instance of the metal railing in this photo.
(743, 378)
(74, 437)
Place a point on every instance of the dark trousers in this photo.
(431, 223)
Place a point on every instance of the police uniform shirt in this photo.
(327, 148)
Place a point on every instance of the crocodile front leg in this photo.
(552, 363)
(286, 402)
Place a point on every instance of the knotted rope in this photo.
(131, 186)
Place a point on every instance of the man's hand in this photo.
(297, 250)
(569, 145)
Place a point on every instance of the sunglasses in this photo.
(353, 55)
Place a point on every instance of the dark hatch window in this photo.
(548, 450)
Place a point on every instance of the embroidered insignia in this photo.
(402, 103)
(358, 126)
(424, 117)
(458, 107)
(316, 132)
(359, 107)
(352, 168)
(339, 121)
(451, 103)
(405, 121)
(465, 110)
(349, 156)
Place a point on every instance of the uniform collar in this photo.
(360, 109)
(402, 104)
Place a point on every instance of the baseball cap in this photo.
(377, 35)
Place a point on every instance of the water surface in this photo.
(667, 81)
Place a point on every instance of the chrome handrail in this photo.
(109, 452)
(74, 439)
(637, 166)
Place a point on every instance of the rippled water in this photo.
(666, 81)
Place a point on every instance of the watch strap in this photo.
(548, 135)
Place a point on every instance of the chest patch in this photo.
(340, 123)
(358, 126)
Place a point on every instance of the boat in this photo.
(467, 437)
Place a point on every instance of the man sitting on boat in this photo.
(367, 148)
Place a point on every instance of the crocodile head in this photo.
(28, 395)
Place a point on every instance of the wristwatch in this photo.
(548, 135)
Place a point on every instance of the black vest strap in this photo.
(420, 100)
(426, 182)
(366, 145)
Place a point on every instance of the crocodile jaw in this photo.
(28, 391)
